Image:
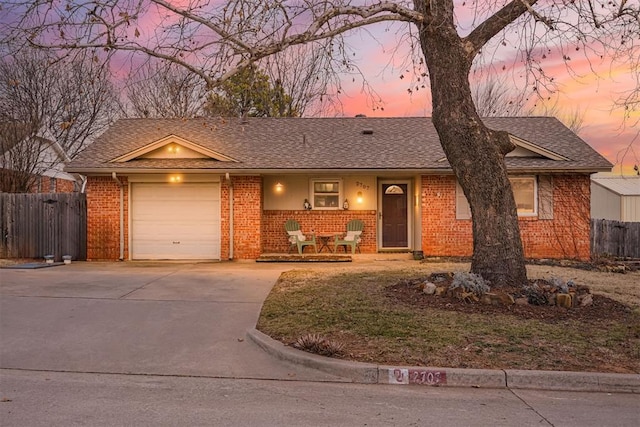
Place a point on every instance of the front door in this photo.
(395, 219)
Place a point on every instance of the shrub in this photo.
(470, 282)
(561, 285)
(314, 343)
(535, 295)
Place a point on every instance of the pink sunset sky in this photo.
(590, 87)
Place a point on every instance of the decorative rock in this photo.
(585, 300)
(583, 289)
(497, 298)
(574, 300)
(429, 288)
(522, 301)
(563, 300)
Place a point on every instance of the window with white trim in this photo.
(525, 192)
(326, 193)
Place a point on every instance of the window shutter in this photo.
(463, 210)
(545, 197)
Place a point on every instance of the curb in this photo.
(368, 373)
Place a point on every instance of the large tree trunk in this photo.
(475, 153)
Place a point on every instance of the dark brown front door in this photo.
(394, 216)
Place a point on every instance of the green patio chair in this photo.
(297, 239)
(352, 237)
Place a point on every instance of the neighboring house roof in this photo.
(51, 155)
(621, 185)
(314, 144)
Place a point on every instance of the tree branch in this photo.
(498, 21)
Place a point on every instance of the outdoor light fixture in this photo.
(306, 205)
(359, 197)
(173, 149)
(175, 178)
(279, 188)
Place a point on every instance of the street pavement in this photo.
(165, 344)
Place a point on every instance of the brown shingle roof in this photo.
(299, 144)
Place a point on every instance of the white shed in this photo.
(615, 197)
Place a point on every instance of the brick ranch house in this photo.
(220, 189)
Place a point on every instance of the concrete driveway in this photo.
(185, 319)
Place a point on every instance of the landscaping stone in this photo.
(497, 298)
(585, 300)
(429, 288)
(564, 300)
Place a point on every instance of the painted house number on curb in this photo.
(417, 376)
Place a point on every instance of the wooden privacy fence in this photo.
(35, 225)
(615, 238)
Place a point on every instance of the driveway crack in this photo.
(146, 284)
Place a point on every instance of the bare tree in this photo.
(304, 72)
(215, 40)
(68, 100)
(24, 156)
(162, 89)
(572, 118)
(494, 98)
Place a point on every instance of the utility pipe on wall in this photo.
(117, 180)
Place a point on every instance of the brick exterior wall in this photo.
(43, 185)
(65, 186)
(567, 235)
(275, 239)
(247, 217)
(257, 231)
(103, 218)
(564, 236)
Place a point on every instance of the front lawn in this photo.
(381, 317)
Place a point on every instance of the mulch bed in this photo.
(410, 292)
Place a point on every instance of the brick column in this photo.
(103, 218)
(247, 217)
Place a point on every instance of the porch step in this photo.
(304, 258)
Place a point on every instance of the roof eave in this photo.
(300, 171)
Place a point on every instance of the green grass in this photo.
(354, 309)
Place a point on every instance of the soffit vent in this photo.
(367, 131)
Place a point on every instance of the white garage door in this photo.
(175, 221)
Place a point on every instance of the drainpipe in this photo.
(83, 187)
(230, 216)
(116, 179)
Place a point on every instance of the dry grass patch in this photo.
(376, 320)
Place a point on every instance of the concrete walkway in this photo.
(179, 319)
